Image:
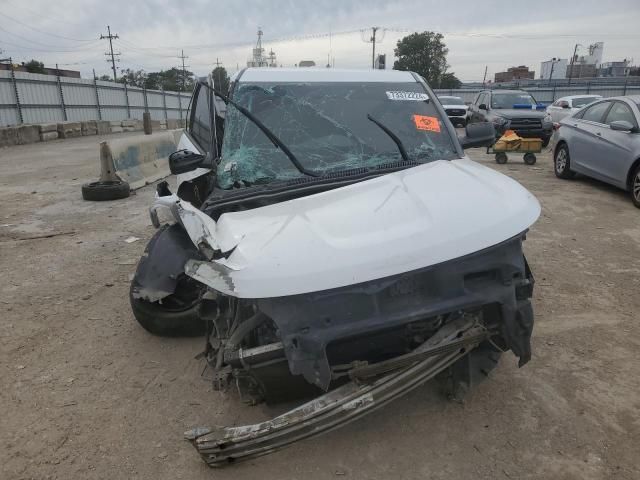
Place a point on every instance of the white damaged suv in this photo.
(330, 238)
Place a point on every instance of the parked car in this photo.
(339, 240)
(514, 110)
(455, 109)
(565, 106)
(602, 141)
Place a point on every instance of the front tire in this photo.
(635, 187)
(173, 316)
(562, 163)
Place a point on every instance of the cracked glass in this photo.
(325, 126)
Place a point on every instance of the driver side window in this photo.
(620, 111)
(201, 124)
(595, 112)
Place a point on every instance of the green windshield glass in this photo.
(325, 126)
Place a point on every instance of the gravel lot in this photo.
(86, 393)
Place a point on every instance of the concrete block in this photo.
(172, 123)
(48, 127)
(128, 123)
(104, 127)
(117, 123)
(129, 129)
(8, 136)
(116, 129)
(90, 127)
(69, 129)
(140, 159)
(46, 136)
(28, 134)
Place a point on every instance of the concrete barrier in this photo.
(69, 129)
(8, 136)
(140, 159)
(89, 127)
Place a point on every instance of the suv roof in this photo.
(508, 91)
(306, 74)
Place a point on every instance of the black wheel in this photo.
(530, 158)
(635, 187)
(173, 316)
(101, 191)
(561, 162)
(501, 158)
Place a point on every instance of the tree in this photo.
(34, 66)
(135, 78)
(426, 54)
(220, 79)
(105, 78)
(449, 80)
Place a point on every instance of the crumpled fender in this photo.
(162, 263)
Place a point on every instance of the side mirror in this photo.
(184, 161)
(564, 105)
(482, 106)
(622, 126)
(481, 134)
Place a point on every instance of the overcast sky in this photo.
(497, 34)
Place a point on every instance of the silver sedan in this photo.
(565, 106)
(602, 141)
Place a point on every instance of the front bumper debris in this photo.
(220, 446)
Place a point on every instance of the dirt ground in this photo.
(86, 393)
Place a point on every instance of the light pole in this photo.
(554, 60)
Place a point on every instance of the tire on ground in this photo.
(635, 186)
(562, 165)
(156, 318)
(102, 191)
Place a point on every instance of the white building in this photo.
(555, 68)
(594, 56)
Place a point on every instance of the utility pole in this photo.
(110, 53)
(217, 81)
(484, 79)
(184, 72)
(573, 58)
(373, 43)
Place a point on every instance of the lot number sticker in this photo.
(429, 124)
(411, 96)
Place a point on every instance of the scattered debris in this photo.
(131, 239)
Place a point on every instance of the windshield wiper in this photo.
(270, 135)
(393, 136)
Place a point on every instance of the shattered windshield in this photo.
(325, 126)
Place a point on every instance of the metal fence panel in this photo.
(42, 114)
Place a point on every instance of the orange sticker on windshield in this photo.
(430, 124)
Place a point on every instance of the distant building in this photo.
(47, 70)
(307, 63)
(614, 69)
(555, 68)
(581, 70)
(514, 73)
(594, 56)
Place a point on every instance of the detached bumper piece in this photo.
(221, 446)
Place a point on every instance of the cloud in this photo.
(152, 33)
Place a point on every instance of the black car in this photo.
(513, 110)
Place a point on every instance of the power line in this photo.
(113, 60)
(35, 49)
(46, 33)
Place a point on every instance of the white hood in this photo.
(384, 226)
